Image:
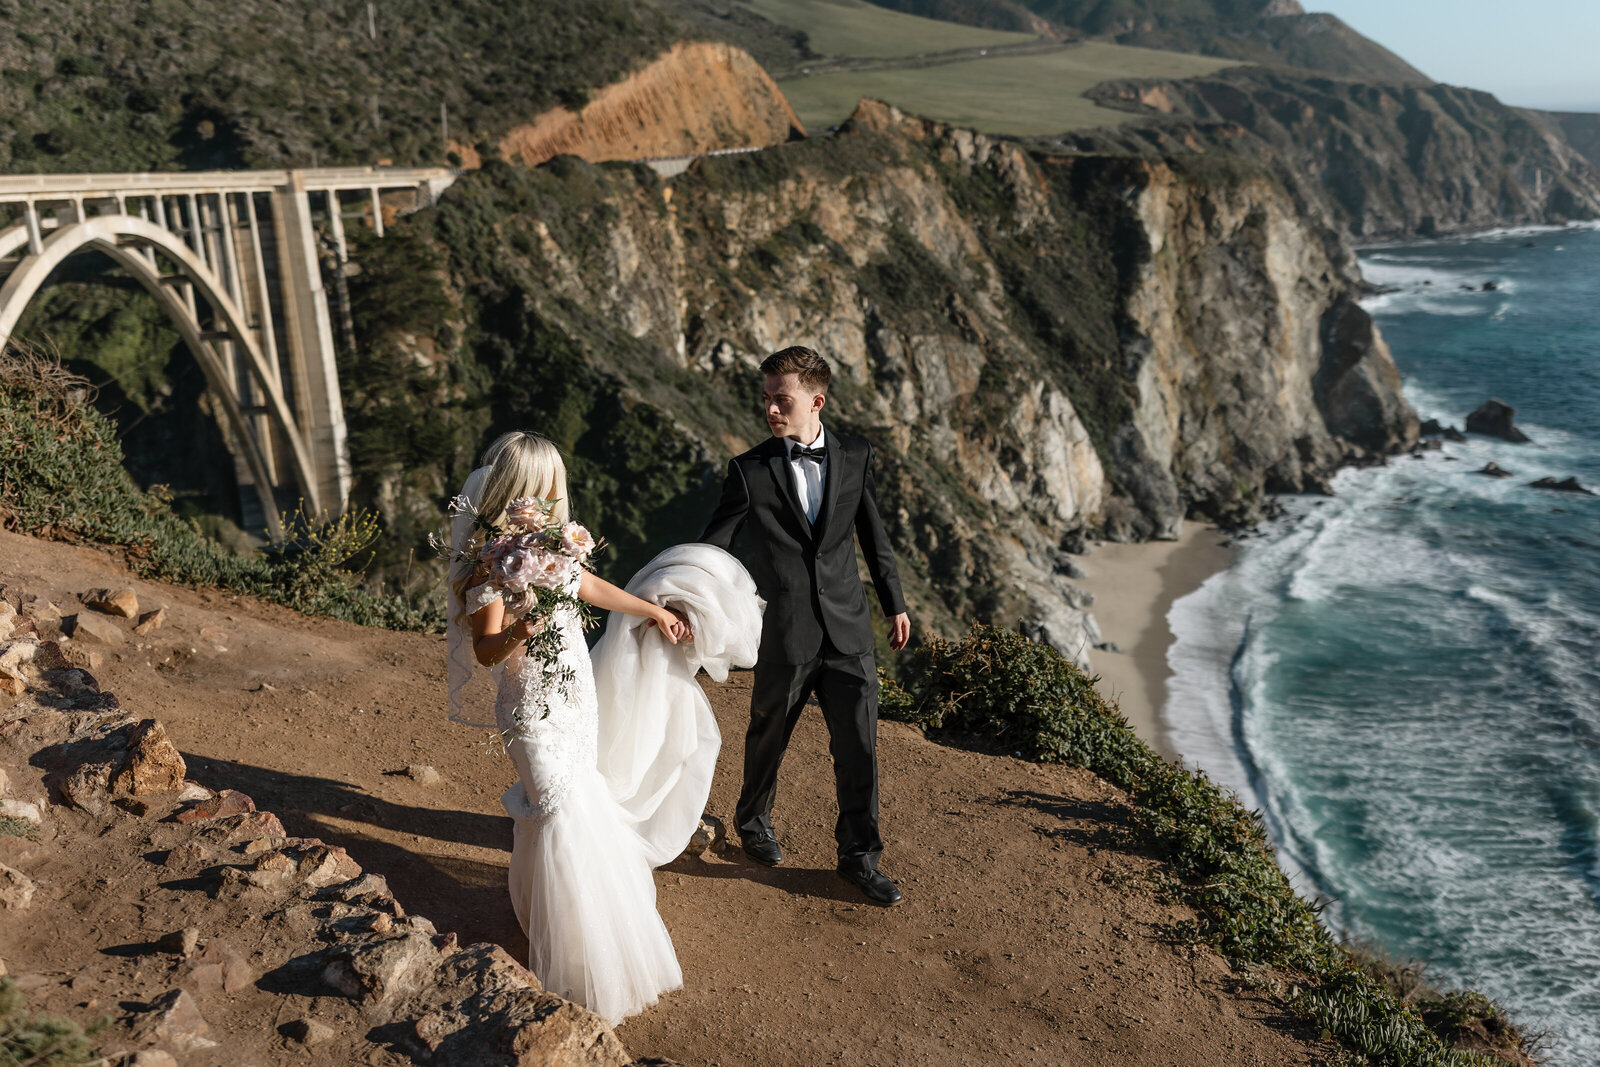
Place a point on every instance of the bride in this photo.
(615, 766)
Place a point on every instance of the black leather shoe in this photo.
(763, 848)
(878, 889)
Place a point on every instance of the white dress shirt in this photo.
(809, 475)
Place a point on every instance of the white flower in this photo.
(577, 541)
(460, 505)
(527, 511)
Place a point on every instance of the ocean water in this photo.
(1405, 677)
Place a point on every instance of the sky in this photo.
(1533, 53)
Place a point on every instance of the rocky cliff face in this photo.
(1378, 161)
(1040, 347)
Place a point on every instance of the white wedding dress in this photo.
(614, 778)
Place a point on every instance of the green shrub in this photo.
(1000, 689)
(38, 1040)
(61, 476)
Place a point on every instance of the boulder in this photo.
(1494, 419)
(44, 617)
(376, 969)
(484, 1004)
(1493, 470)
(123, 603)
(16, 889)
(174, 1020)
(88, 629)
(1563, 485)
(227, 802)
(150, 621)
(154, 764)
(5, 782)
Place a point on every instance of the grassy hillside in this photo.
(857, 28)
(1270, 32)
(1025, 94)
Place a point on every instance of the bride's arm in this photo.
(607, 597)
(492, 639)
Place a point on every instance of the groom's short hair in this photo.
(812, 369)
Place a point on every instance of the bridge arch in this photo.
(123, 238)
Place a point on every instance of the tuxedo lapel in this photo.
(778, 463)
(830, 485)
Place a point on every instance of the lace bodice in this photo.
(557, 724)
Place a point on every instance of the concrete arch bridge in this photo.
(232, 258)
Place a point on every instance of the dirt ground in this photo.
(1030, 932)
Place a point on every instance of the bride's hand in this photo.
(674, 626)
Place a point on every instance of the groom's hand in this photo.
(899, 631)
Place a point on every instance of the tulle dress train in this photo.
(614, 768)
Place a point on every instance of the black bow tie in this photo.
(802, 452)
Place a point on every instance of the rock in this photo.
(325, 865)
(5, 782)
(369, 890)
(229, 830)
(227, 802)
(1490, 286)
(154, 764)
(1109, 646)
(1494, 419)
(16, 889)
(150, 621)
(1564, 485)
(220, 968)
(484, 1004)
(187, 856)
(424, 774)
(1493, 470)
(192, 791)
(174, 1020)
(12, 808)
(92, 630)
(122, 603)
(1434, 428)
(45, 618)
(151, 1057)
(180, 942)
(308, 1032)
(377, 969)
(12, 682)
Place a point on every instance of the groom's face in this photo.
(792, 408)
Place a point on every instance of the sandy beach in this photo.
(1134, 586)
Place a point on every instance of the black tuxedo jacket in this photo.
(806, 573)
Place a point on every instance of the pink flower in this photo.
(527, 511)
(551, 570)
(515, 568)
(577, 541)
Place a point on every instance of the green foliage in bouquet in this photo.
(997, 688)
(61, 476)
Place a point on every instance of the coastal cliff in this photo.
(1042, 348)
(1377, 161)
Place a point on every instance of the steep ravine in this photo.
(1040, 347)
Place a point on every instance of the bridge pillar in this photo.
(317, 405)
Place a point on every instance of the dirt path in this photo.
(1029, 934)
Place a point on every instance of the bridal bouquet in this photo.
(530, 560)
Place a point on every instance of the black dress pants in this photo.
(847, 689)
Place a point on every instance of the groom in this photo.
(806, 494)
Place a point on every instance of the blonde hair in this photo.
(521, 463)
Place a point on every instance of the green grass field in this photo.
(856, 29)
(1019, 95)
